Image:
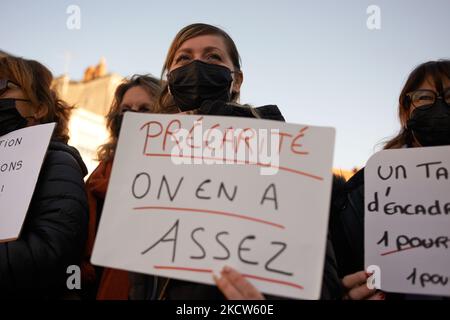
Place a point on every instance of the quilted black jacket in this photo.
(54, 231)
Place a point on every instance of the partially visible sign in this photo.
(407, 219)
(21, 156)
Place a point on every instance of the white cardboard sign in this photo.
(407, 219)
(21, 155)
(264, 215)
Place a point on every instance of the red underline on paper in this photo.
(183, 269)
(223, 213)
(290, 284)
(267, 165)
(250, 276)
(395, 251)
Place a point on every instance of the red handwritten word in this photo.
(232, 137)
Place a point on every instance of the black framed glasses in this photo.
(426, 98)
(6, 84)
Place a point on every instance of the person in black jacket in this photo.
(204, 77)
(424, 111)
(53, 235)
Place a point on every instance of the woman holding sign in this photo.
(36, 265)
(204, 77)
(138, 94)
(424, 111)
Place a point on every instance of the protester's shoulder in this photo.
(60, 184)
(271, 112)
(61, 154)
(344, 190)
(354, 187)
(356, 181)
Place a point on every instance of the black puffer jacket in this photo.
(146, 287)
(54, 231)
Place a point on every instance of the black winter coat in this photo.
(54, 231)
(347, 225)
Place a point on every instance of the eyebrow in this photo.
(205, 50)
(209, 49)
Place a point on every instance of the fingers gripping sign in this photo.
(234, 286)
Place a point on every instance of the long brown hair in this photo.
(436, 71)
(150, 84)
(165, 101)
(35, 81)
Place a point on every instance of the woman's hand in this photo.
(235, 287)
(356, 286)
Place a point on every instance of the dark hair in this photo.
(435, 71)
(35, 80)
(150, 84)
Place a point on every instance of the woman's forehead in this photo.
(136, 93)
(200, 43)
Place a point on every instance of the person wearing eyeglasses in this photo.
(53, 235)
(424, 111)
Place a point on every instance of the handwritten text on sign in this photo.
(21, 155)
(407, 219)
(186, 219)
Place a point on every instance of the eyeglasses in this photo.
(6, 84)
(426, 98)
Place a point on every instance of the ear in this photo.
(238, 79)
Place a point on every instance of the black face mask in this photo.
(10, 118)
(196, 82)
(431, 124)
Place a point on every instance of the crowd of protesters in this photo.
(201, 75)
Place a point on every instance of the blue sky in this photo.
(316, 60)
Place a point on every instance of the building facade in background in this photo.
(92, 98)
